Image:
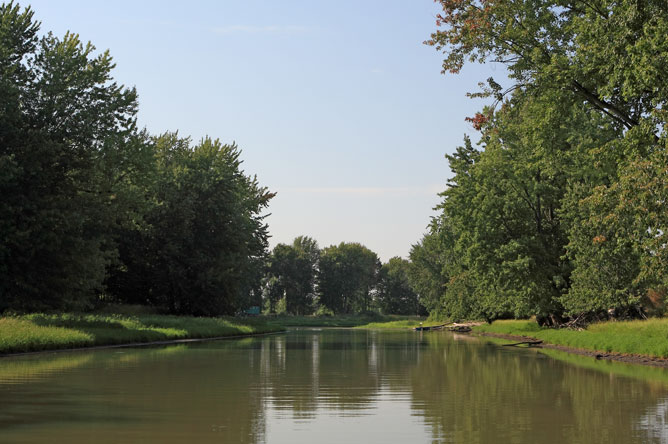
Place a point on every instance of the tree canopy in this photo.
(558, 213)
(93, 208)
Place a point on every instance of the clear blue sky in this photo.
(337, 106)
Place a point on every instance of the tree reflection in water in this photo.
(327, 386)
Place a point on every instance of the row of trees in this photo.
(559, 211)
(346, 278)
(93, 208)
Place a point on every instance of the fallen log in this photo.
(528, 343)
(459, 328)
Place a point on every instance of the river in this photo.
(330, 386)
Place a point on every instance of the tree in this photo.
(347, 275)
(291, 273)
(607, 53)
(68, 151)
(395, 295)
(578, 146)
(203, 249)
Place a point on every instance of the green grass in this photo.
(640, 372)
(348, 321)
(322, 321)
(400, 324)
(36, 332)
(648, 337)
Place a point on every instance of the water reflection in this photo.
(326, 386)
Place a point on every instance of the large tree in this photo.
(69, 151)
(291, 275)
(347, 275)
(565, 190)
(203, 247)
(395, 294)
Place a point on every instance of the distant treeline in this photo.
(561, 209)
(340, 279)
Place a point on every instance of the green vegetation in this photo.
(395, 294)
(400, 324)
(649, 374)
(635, 337)
(353, 320)
(559, 209)
(348, 273)
(290, 281)
(367, 320)
(95, 210)
(342, 279)
(37, 332)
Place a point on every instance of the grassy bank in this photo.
(402, 324)
(36, 332)
(347, 321)
(648, 337)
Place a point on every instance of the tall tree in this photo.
(68, 151)
(347, 275)
(291, 272)
(583, 120)
(205, 241)
(395, 295)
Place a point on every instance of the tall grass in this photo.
(648, 337)
(35, 332)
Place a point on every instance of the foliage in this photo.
(68, 149)
(560, 212)
(201, 252)
(347, 275)
(291, 273)
(93, 208)
(395, 295)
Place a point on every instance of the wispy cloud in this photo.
(366, 191)
(266, 29)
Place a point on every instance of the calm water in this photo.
(330, 386)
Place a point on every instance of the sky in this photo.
(338, 107)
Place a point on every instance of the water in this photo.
(330, 386)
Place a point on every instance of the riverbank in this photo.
(400, 324)
(43, 332)
(638, 342)
(371, 320)
(40, 332)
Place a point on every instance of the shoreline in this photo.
(628, 358)
(138, 344)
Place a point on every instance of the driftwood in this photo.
(528, 343)
(458, 328)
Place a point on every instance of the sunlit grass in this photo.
(641, 372)
(37, 332)
(324, 321)
(648, 337)
(18, 334)
(401, 324)
(371, 320)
